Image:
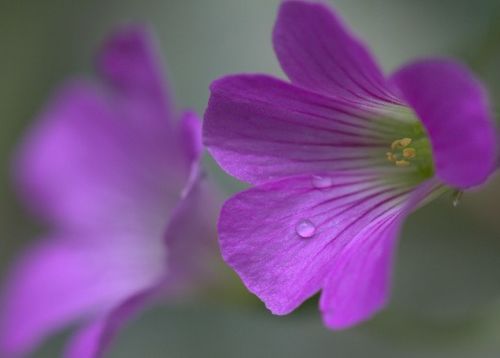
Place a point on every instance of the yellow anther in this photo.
(402, 163)
(409, 153)
(400, 153)
(400, 143)
(405, 142)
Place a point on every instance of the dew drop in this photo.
(457, 197)
(320, 182)
(305, 228)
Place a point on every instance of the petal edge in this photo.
(454, 109)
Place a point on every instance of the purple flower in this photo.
(338, 158)
(117, 178)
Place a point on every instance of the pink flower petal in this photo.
(259, 128)
(358, 284)
(454, 109)
(70, 278)
(317, 52)
(283, 238)
(93, 339)
(85, 167)
(130, 63)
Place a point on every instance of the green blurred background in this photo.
(446, 294)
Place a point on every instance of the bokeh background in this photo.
(446, 294)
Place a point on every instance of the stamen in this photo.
(401, 143)
(408, 148)
(400, 153)
(409, 153)
(390, 156)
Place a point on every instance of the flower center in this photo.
(408, 146)
(413, 153)
(401, 153)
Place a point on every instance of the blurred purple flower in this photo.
(117, 177)
(339, 157)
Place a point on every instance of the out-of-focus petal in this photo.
(283, 237)
(62, 281)
(259, 128)
(454, 109)
(94, 338)
(317, 52)
(108, 166)
(85, 343)
(129, 63)
(190, 137)
(84, 167)
(188, 246)
(358, 284)
(191, 228)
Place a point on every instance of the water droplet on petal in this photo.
(320, 182)
(305, 228)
